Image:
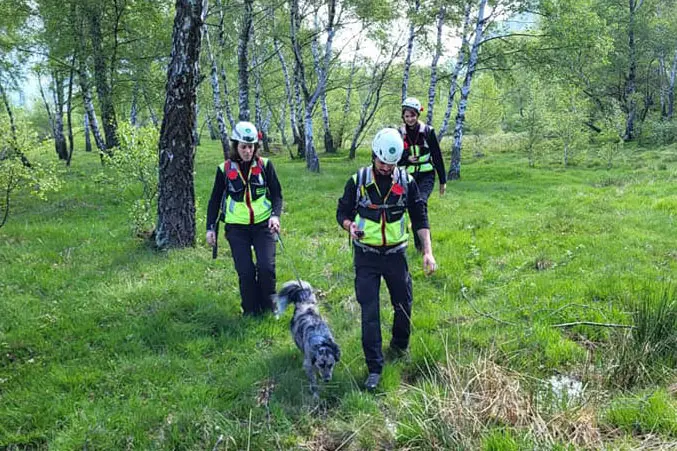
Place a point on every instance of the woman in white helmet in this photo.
(373, 209)
(422, 156)
(247, 192)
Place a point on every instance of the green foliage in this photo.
(653, 413)
(135, 166)
(658, 132)
(484, 112)
(564, 121)
(16, 178)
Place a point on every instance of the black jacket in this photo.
(414, 137)
(347, 208)
(219, 187)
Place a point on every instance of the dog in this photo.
(310, 332)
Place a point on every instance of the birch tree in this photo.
(349, 90)
(321, 69)
(311, 98)
(377, 78)
(216, 96)
(433, 65)
(176, 193)
(458, 65)
(243, 61)
(410, 47)
(455, 167)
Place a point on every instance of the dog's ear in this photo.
(335, 350)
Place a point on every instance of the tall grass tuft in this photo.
(649, 350)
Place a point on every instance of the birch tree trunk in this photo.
(69, 111)
(410, 48)
(89, 109)
(287, 94)
(460, 60)
(134, 110)
(216, 93)
(176, 192)
(59, 138)
(50, 118)
(455, 167)
(88, 139)
(224, 78)
(671, 88)
(319, 69)
(631, 82)
(298, 107)
(243, 62)
(312, 162)
(151, 110)
(433, 66)
(349, 90)
(103, 88)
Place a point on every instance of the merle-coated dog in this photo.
(310, 332)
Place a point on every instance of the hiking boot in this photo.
(396, 353)
(372, 381)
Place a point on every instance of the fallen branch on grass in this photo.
(592, 323)
(481, 313)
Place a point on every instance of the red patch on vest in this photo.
(256, 170)
(232, 174)
(397, 189)
(406, 145)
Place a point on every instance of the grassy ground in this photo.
(108, 344)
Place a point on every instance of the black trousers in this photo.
(257, 282)
(426, 183)
(369, 268)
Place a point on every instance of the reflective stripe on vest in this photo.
(246, 200)
(421, 152)
(382, 218)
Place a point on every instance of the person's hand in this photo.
(429, 264)
(274, 224)
(413, 159)
(443, 188)
(211, 238)
(352, 230)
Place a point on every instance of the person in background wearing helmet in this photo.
(374, 210)
(422, 156)
(248, 192)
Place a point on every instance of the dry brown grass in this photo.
(467, 400)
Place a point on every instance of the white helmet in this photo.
(388, 146)
(245, 132)
(412, 103)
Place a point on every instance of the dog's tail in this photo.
(294, 292)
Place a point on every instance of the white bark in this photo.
(243, 62)
(320, 70)
(671, 87)
(455, 168)
(287, 93)
(433, 65)
(89, 109)
(460, 60)
(312, 162)
(59, 137)
(216, 96)
(410, 48)
(151, 111)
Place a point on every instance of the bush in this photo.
(658, 132)
(15, 176)
(135, 165)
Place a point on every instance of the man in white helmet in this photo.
(248, 193)
(373, 209)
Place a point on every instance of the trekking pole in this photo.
(215, 249)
